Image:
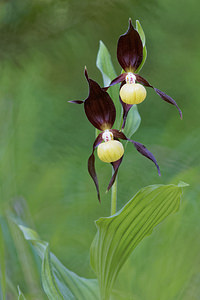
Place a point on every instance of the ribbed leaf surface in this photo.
(118, 235)
(59, 282)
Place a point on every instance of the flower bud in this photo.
(133, 93)
(110, 151)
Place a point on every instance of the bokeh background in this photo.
(45, 142)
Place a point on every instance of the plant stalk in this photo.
(114, 197)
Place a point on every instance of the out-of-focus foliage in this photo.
(21, 295)
(59, 282)
(45, 142)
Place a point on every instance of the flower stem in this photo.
(114, 198)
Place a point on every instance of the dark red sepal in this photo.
(118, 134)
(115, 165)
(139, 147)
(76, 101)
(91, 165)
(164, 96)
(130, 49)
(118, 79)
(168, 99)
(99, 107)
(126, 108)
(142, 80)
(144, 151)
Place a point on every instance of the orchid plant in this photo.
(100, 111)
(119, 234)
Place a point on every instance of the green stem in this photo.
(114, 198)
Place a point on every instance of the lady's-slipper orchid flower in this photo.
(130, 55)
(100, 111)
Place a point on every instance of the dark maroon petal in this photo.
(125, 107)
(99, 107)
(118, 134)
(143, 81)
(76, 101)
(86, 74)
(91, 165)
(92, 172)
(118, 79)
(115, 165)
(98, 141)
(164, 96)
(130, 49)
(140, 147)
(169, 100)
(144, 151)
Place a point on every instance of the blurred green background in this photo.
(45, 142)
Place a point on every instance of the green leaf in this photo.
(142, 36)
(118, 235)
(48, 280)
(59, 282)
(133, 122)
(143, 60)
(105, 66)
(141, 32)
(20, 294)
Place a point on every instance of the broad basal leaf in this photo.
(58, 282)
(118, 235)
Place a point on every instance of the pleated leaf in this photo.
(59, 282)
(118, 235)
(48, 281)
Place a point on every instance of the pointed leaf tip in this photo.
(182, 184)
(141, 32)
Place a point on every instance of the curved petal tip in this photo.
(86, 73)
(76, 101)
